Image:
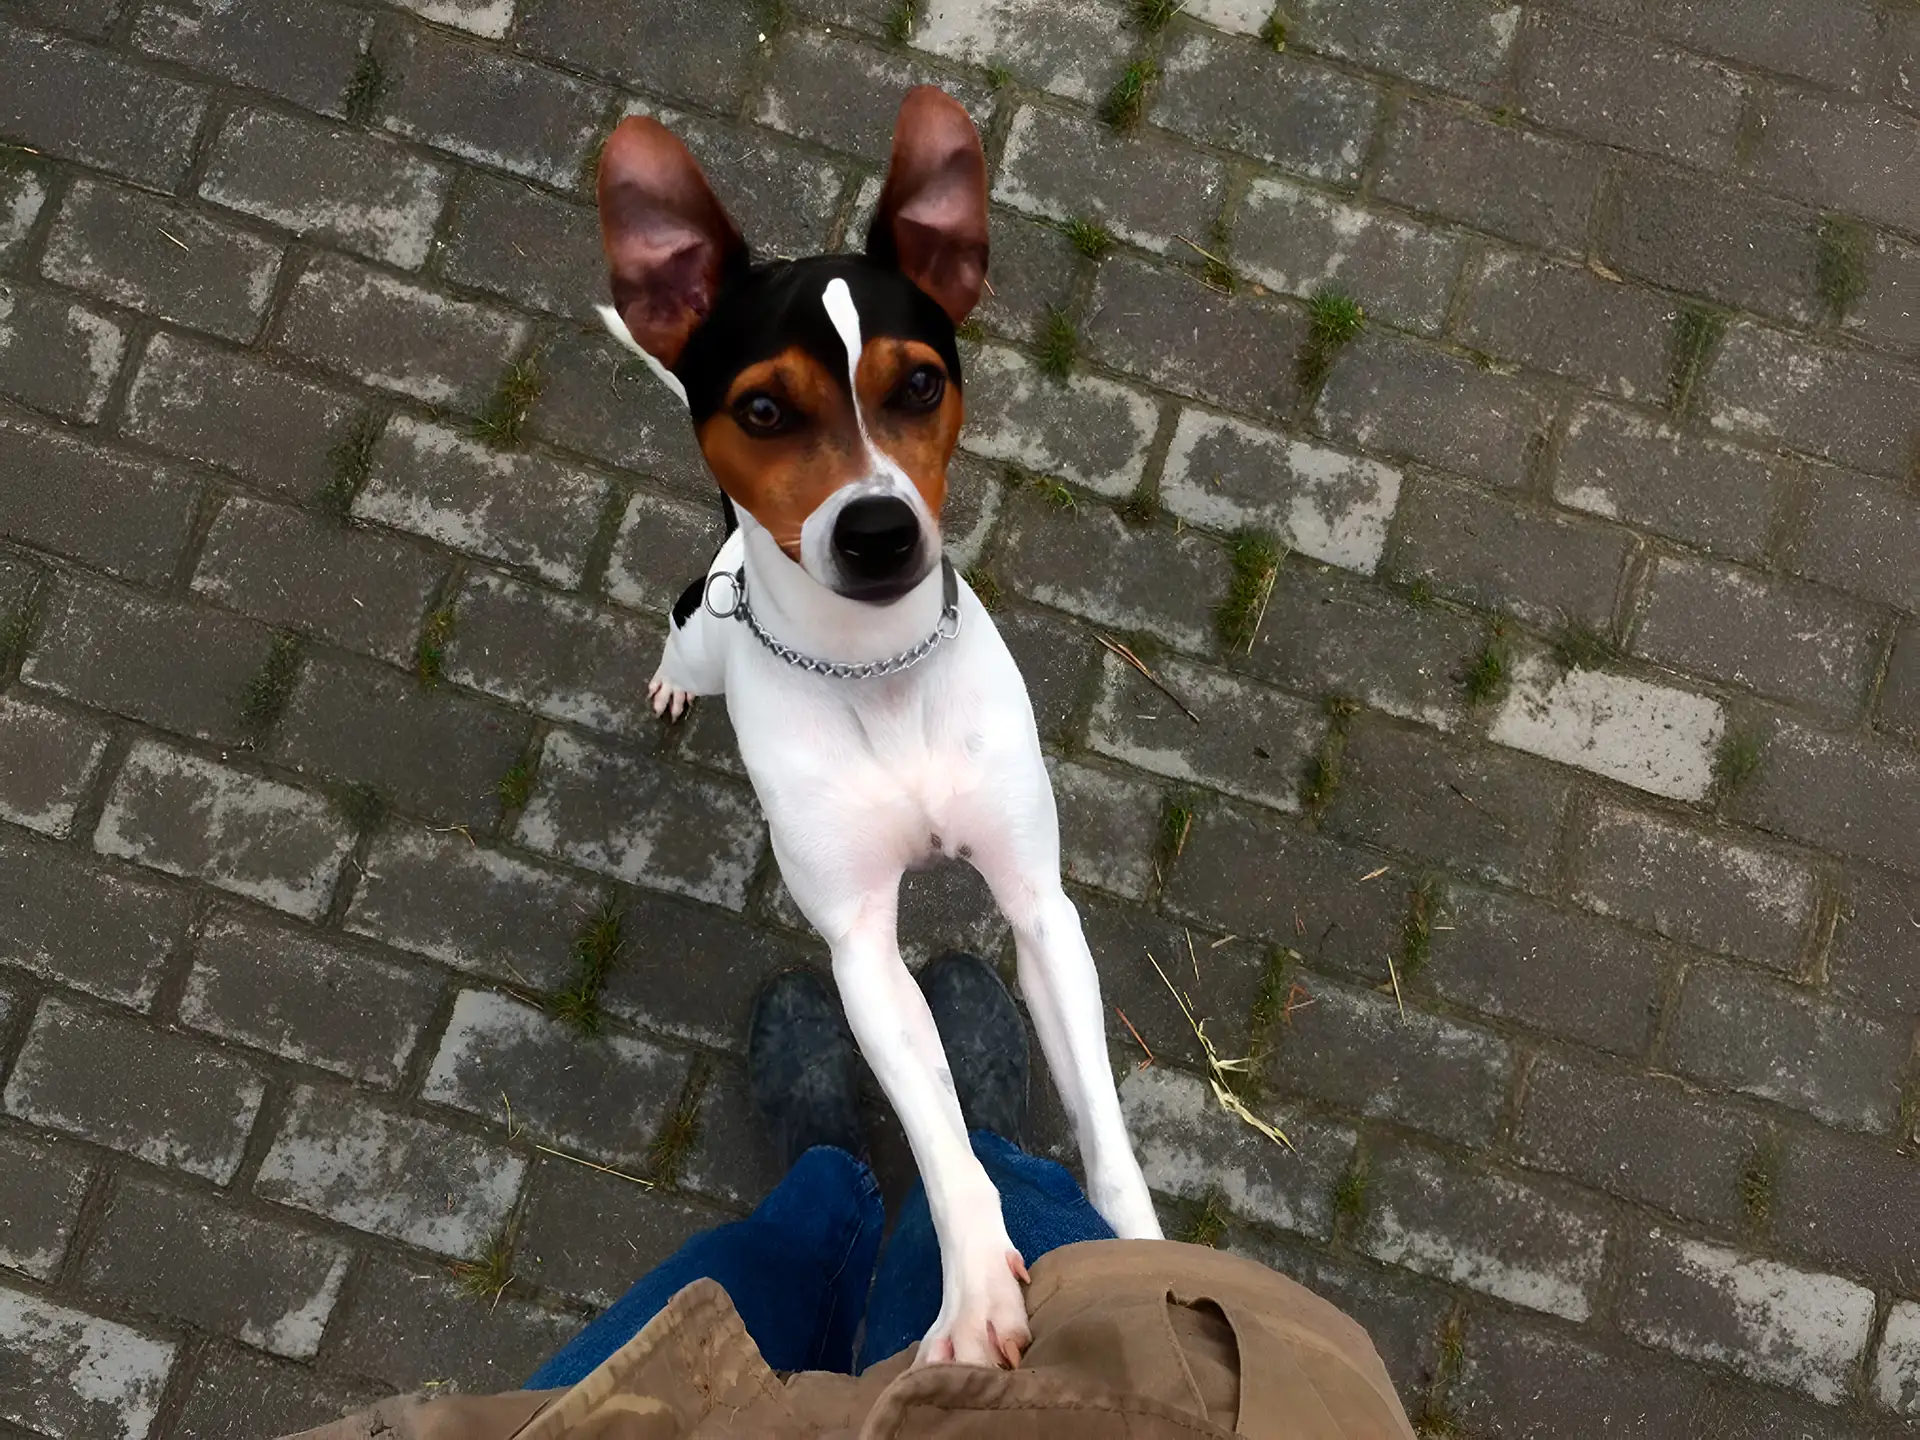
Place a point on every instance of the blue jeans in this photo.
(801, 1268)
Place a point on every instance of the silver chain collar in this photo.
(945, 628)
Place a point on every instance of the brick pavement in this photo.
(1553, 837)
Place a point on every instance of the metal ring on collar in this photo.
(733, 603)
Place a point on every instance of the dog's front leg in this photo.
(983, 1315)
(694, 662)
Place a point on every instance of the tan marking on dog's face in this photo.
(781, 477)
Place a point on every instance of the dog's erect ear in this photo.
(669, 243)
(932, 218)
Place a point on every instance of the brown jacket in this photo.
(1133, 1338)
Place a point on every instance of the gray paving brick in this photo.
(83, 104)
(592, 1236)
(83, 925)
(845, 96)
(1792, 642)
(1903, 68)
(1297, 241)
(1360, 1051)
(1616, 462)
(1251, 741)
(475, 909)
(391, 1174)
(72, 1374)
(1330, 636)
(149, 1093)
(309, 1000)
(1545, 567)
(1888, 313)
(1269, 881)
(1899, 705)
(1791, 1327)
(1033, 270)
(391, 334)
(661, 546)
(1109, 823)
(1524, 187)
(1842, 405)
(409, 1329)
(237, 1392)
(1238, 351)
(1143, 190)
(1705, 889)
(1534, 1244)
(83, 17)
(1566, 319)
(98, 506)
(1779, 1043)
(602, 401)
(1896, 1371)
(1685, 1152)
(23, 191)
(165, 259)
(1457, 45)
(1840, 156)
(783, 196)
(603, 1095)
(489, 18)
(172, 663)
(489, 107)
(1323, 504)
(1832, 44)
(1606, 1388)
(560, 657)
(1086, 429)
(1190, 1147)
(344, 584)
(948, 907)
(39, 1204)
(1300, 116)
(1556, 971)
(524, 245)
(187, 815)
(56, 355)
(431, 480)
(1219, 980)
(1743, 249)
(329, 183)
(1074, 50)
(1053, 657)
(48, 759)
(1475, 809)
(732, 1159)
(1088, 562)
(690, 971)
(1607, 86)
(611, 811)
(270, 427)
(1862, 536)
(184, 1257)
(1850, 1204)
(305, 53)
(1860, 797)
(1875, 959)
(679, 49)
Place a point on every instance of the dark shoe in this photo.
(802, 1067)
(985, 1040)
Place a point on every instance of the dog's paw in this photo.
(983, 1319)
(668, 699)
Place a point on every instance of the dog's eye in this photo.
(760, 414)
(922, 388)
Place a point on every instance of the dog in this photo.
(878, 712)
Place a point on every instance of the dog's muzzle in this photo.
(878, 548)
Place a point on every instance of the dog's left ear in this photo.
(932, 218)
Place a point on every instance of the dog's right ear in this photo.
(669, 244)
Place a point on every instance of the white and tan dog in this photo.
(878, 712)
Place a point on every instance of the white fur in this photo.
(857, 778)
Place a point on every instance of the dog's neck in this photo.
(799, 611)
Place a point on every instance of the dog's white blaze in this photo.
(846, 321)
(617, 328)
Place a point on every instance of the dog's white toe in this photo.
(668, 699)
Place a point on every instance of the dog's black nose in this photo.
(876, 537)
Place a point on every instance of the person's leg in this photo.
(1044, 1208)
(796, 1269)
(986, 1048)
(799, 1267)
